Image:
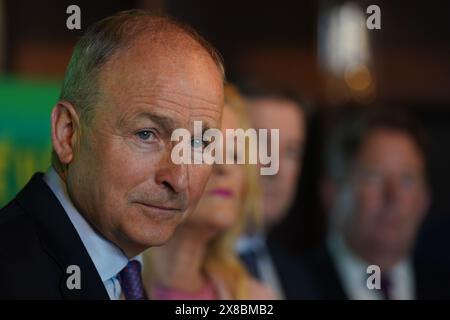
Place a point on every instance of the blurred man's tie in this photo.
(131, 281)
(250, 259)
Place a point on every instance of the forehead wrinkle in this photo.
(158, 60)
(213, 109)
(204, 123)
(200, 99)
(158, 111)
(212, 113)
(157, 101)
(155, 114)
(162, 93)
(164, 120)
(159, 93)
(144, 98)
(154, 101)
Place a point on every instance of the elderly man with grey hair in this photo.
(77, 231)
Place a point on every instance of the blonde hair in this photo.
(221, 258)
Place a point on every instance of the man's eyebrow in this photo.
(165, 122)
(206, 127)
(169, 123)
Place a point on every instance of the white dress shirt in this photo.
(108, 259)
(265, 265)
(352, 272)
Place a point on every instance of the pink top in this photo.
(213, 290)
(164, 293)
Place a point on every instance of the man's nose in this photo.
(391, 191)
(173, 176)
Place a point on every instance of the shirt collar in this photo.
(353, 271)
(108, 259)
(247, 243)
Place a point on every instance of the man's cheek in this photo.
(121, 164)
(198, 178)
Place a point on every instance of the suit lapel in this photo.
(330, 281)
(60, 239)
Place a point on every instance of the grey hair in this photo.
(105, 38)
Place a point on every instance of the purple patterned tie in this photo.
(131, 281)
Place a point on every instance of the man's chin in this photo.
(388, 242)
(160, 242)
(146, 236)
(136, 246)
(273, 217)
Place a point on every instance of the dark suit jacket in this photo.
(37, 245)
(294, 279)
(431, 281)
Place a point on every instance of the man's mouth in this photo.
(159, 207)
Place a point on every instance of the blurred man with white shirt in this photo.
(376, 194)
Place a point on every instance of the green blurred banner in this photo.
(25, 108)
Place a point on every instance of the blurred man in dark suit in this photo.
(377, 196)
(112, 191)
(267, 261)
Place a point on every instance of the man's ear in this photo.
(65, 131)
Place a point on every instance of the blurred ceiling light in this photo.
(343, 38)
(358, 77)
(344, 52)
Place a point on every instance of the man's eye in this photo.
(373, 177)
(407, 181)
(198, 143)
(145, 135)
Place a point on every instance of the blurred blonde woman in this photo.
(199, 261)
